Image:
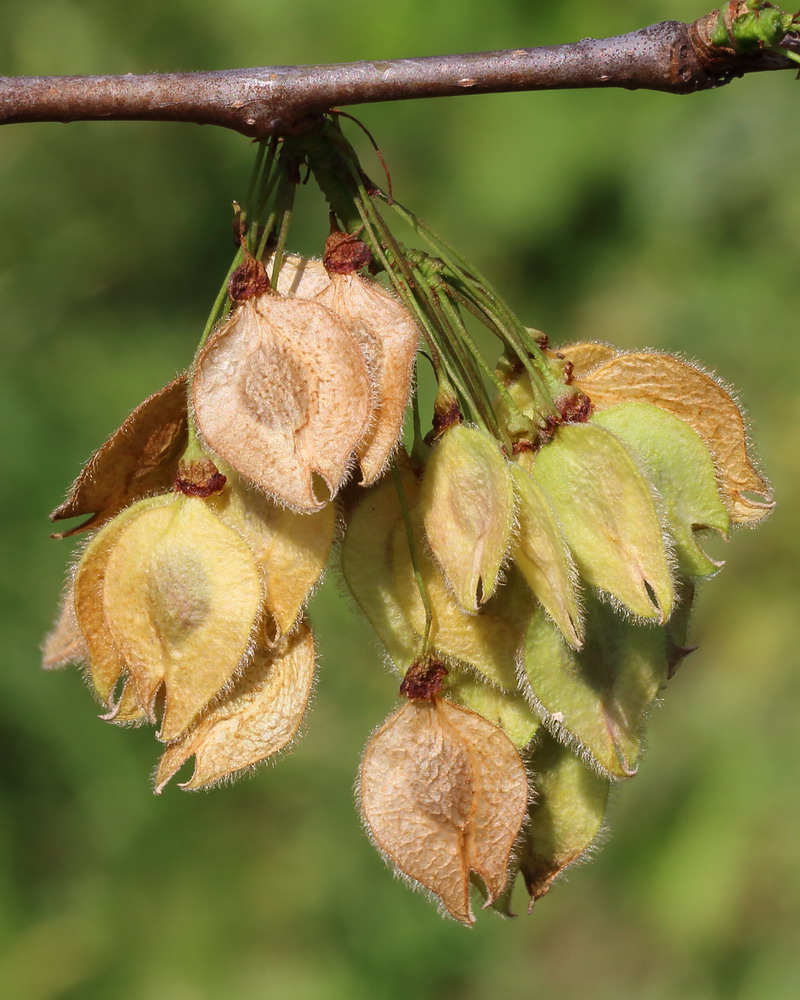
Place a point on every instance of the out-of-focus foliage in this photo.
(644, 219)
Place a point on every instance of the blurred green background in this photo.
(638, 218)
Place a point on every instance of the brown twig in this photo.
(671, 56)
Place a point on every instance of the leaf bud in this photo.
(291, 550)
(542, 556)
(368, 563)
(565, 817)
(681, 469)
(489, 640)
(507, 709)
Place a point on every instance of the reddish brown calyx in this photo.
(576, 408)
(199, 479)
(248, 280)
(423, 680)
(446, 414)
(345, 253)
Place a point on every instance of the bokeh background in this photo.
(638, 218)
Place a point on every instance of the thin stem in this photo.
(412, 548)
(285, 201)
(410, 290)
(474, 350)
(510, 329)
(471, 377)
(255, 174)
(218, 309)
(418, 448)
(261, 193)
(402, 278)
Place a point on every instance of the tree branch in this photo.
(671, 56)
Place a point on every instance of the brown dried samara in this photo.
(443, 794)
(281, 392)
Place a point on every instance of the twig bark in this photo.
(671, 56)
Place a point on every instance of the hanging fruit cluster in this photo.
(528, 565)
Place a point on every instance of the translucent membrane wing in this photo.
(258, 717)
(596, 698)
(388, 337)
(677, 628)
(565, 817)
(127, 710)
(444, 793)
(701, 402)
(181, 597)
(542, 556)
(106, 663)
(65, 643)
(300, 277)
(487, 641)
(608, 516)
(138, 460)
(368, 565)
(281, 393)
(586, 356)
(507, 709)
(467, 507)
(680, 467)
(290, 549)
(500, 787)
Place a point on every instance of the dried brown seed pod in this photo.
(388, 337)
(258, 717)
(138, 460)
(300, 277)
(444, 793)
(281, 393)
(585, 356)
(699, 400)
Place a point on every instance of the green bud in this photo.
(701, 402)
(540, 552)
(596, 699)
(677, 628)
(608, 516)
(487, 641)
(565, 817)
(368, 569)
(680, 467)
(468, 510)
(506, 709)
(527, 406)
